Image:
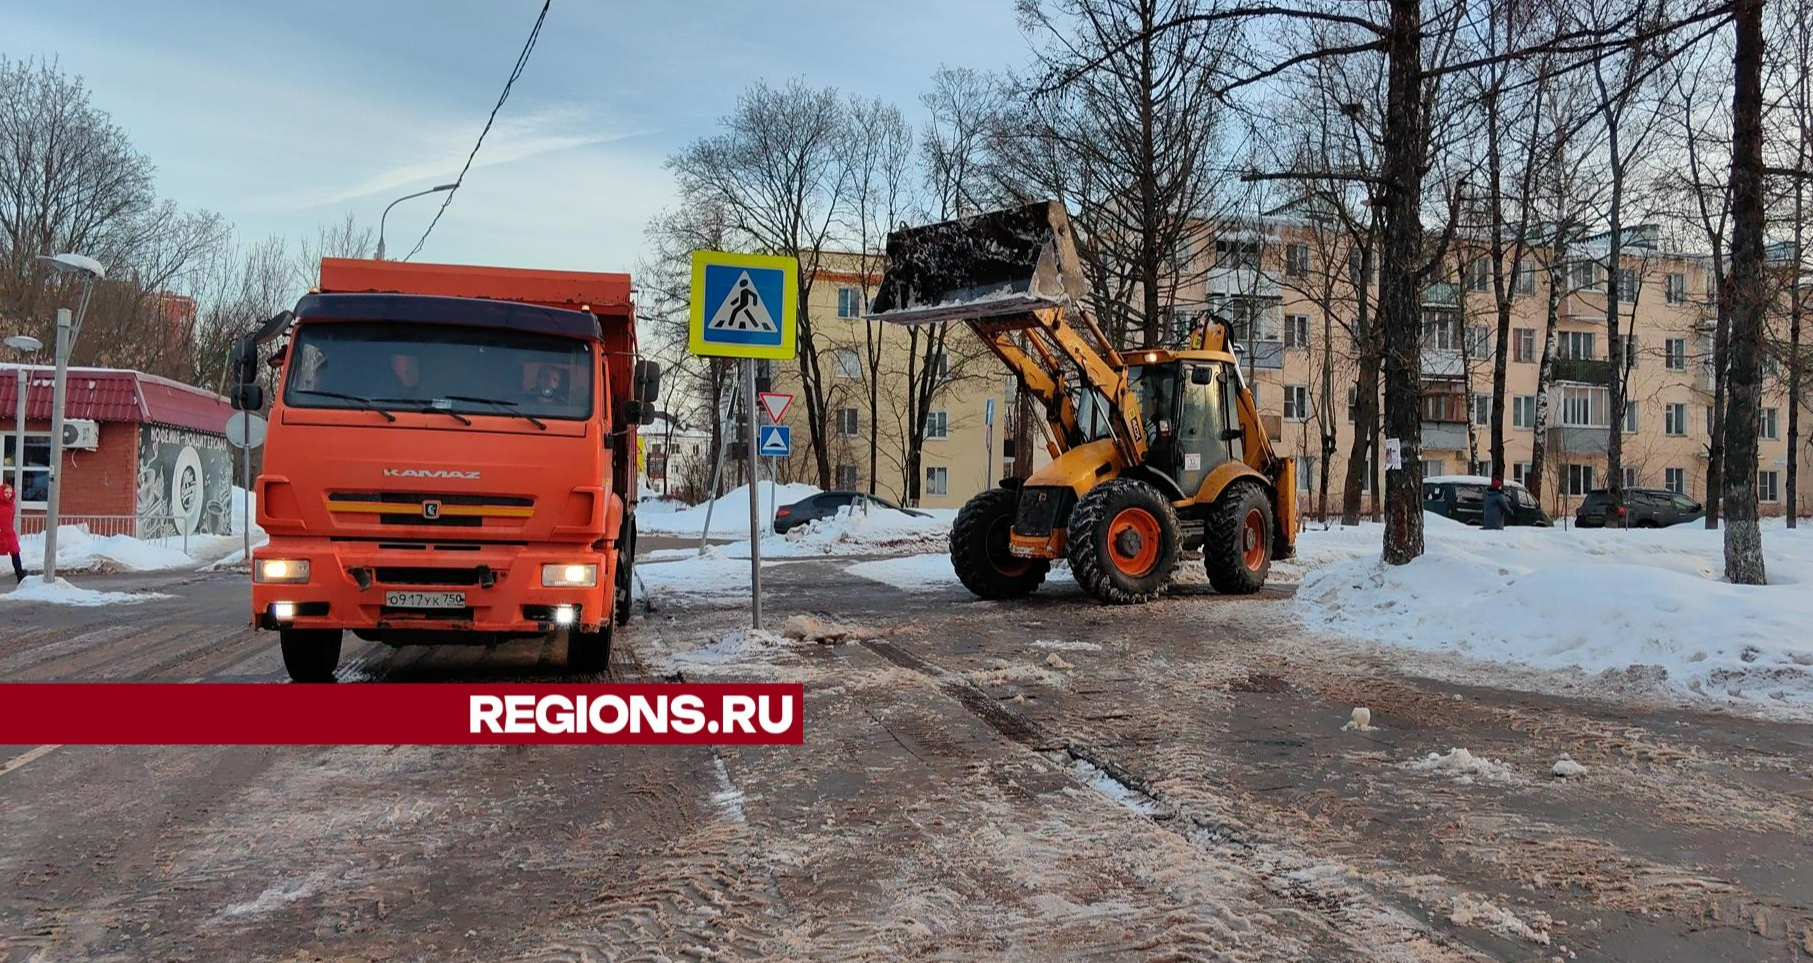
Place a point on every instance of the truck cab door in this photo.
(1204, 415)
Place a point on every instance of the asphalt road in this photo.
(1043, 780)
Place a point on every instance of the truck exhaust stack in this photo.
(1000, 263)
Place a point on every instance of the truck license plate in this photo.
(426, 600)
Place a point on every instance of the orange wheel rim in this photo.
(1252, 540)
(1133, 538)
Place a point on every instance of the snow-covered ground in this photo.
(78, 550)
(60, 592)
(729, 517)
(1649, 601)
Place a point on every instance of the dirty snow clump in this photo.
(1361, 720)
(1566, 767)
(1464, 766)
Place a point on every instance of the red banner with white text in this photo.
(400, 714)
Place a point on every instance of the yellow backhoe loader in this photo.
(1153, 451)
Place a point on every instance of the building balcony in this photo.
(1242, 282)
(1261, 355)
(1573, 440)
(1442, 362)
(1586, 371)
(1444, 436)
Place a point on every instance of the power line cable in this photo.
(522, 60)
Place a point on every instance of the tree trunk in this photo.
(1545, 369)
(1715, 443)
(1405, 144)
(1749, 301)
(1366, 393)
(1328, 412)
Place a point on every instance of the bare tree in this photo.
(880, 144)
(778, 173)
(1749, 305)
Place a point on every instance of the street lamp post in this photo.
(432, 190)
(24, 344)
(90, 271)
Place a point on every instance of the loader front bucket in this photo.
(1000, 263)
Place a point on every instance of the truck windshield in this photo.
(478, 371)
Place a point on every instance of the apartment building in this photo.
(1288, 283)
(969, 437)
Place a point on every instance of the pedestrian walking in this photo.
(1497, 506)
(9, 538)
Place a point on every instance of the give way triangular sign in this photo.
(742, 309)
(776, 403)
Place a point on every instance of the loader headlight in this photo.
(281, 570)
(564, 575)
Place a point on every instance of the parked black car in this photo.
(827, 505)
(1643, 507)
(1462, 498)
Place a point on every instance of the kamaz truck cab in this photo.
(450, 459)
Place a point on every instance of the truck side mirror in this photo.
(248, 397)
(648, 392)
(244, 357)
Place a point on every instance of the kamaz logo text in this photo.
(428, 473)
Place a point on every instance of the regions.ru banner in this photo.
(147, 714)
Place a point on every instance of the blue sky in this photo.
(281, 116)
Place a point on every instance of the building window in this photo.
(1630, 417)
(1296, 402)
(941, 367)
(1674, 288)
(937, 425)
(1296, 330)
(849, 423)
(1353, 404)
(1520, 472)
(1237, 254)
(1579, 479)
(1768, 486)
(1628, 284)
(1630, 476)
(1296, 260)
(1674, 418)
(35, 480)
(937, 481)
(1576, 344)
(1479, 274)
(850, 303)
(1525, 341)
(1583, 406)
(1432, 467)
(847, 477)
(1482, 410)
(848, 364)
(1526, 279)
(1479, 341)
(1675, 480)
(1630, 350)
(1357, 268)
(1674, 353)
(1584, 276)
(1306, 472)
(1439, 331)
(1771, 423)
(1523, 411)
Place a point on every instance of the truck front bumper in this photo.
(351, 585)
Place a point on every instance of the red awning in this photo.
(116, 394)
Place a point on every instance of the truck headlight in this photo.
(281, 570)
(564, 575)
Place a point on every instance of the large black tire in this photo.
(1124, 541)
(1238, 538)
(310, 655)
(590, 651)
(979, 549)
(626, 572)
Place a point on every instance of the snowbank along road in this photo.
(1042, 780)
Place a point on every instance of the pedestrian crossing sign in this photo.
(743, 305)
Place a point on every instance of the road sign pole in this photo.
(755, 508)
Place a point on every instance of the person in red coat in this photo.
(9, 539)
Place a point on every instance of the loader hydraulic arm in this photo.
(1052, 341)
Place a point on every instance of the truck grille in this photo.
(423, 575)
(449, 510)
(1043, 510)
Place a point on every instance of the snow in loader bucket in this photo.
(1001, 263)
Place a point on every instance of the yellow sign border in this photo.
(789, 319)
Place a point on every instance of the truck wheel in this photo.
(1124, 541)
(626, 573)
(589, 651)
(310, 655)
(1237, 543)
(979, 549)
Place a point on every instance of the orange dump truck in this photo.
(451, 459)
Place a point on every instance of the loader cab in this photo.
(1188, 405)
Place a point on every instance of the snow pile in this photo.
(1566, 767)
(858, 531)
(80, 551)
(710, 575)
(811, 628)
(729, 514)
(1361, 720)
(60, 592)
(658, 505)
(735, 647)
(1464, 766)
(1605, 601)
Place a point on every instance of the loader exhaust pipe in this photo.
(1000, 263)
